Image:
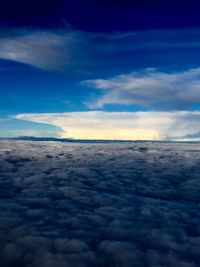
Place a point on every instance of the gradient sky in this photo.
(100, 69)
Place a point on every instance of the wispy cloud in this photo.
(121, 125)
(149, 88)
(42, 49)
(61, 48)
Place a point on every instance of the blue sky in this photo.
(99, 57)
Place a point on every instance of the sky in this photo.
(100, 69)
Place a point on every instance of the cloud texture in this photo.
(42, 49)
(82, 205)
(121, 125)
(150, 88)
(90, 52)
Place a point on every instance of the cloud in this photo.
(85, 205)
(86, 52)
(149, 88)
(121, 125)
(42, 49)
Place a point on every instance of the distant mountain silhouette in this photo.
(55, 139)
(35, 138)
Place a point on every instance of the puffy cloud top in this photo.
(87, 205)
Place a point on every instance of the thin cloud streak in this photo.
(61, 48)
(46, 50)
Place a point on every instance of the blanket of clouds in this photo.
(127, 204)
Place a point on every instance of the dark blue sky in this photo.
(100, 15)
(59, 56)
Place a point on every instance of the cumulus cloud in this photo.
(121, 125)
(84, 205)
(149, 88)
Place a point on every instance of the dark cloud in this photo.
(122, 204)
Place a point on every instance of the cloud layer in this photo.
(150, 88)
(86, 205)
(121, 125)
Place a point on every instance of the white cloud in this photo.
(149, 88)
(42, 49)
(56, 50)
(121, 125)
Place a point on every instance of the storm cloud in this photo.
(122, 125)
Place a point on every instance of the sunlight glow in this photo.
(111, 134)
